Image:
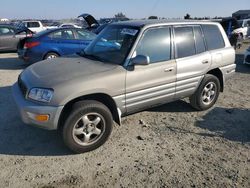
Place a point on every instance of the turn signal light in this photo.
(42, 118)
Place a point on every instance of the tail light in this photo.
(31, 44)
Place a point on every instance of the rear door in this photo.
(8, 40)
(193, 61)
(153, 84)
(63, 41)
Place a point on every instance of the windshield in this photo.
(113, 44)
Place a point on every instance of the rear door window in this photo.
(213, 37)
(199, 40)
(156, 44)
(184, 40)
(64, 34)
(6, 31)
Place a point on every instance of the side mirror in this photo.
(140, 60)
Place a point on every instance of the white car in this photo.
(35, 26)
(247, 57)
(243, 28)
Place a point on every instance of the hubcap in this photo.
(209, 93)
(88, 129)
(51, 57)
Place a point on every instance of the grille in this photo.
(22, 86)
(248, 59)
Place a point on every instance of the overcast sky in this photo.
(58, 9)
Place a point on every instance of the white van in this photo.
(35, 26)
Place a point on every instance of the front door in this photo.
(153, 84)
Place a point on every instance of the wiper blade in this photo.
(90, 56)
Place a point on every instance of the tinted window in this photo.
(213, 37)
(199, 42)
(85, 35)
(64, 34)
(184, 39)
(155, 44)
(33, 24)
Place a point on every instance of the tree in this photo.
(120, 15)
(152, 17)
(187, 17)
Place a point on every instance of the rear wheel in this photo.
(88, 126)
(207, 93)
(51, 55)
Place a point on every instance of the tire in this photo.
(51, 55)
(87, 127)
(206, 94)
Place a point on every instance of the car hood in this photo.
(50, 73)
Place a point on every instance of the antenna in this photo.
(154, 7)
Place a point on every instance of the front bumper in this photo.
(26, 108)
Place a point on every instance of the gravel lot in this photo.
(168, 146)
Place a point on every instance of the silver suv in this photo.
(130, 66)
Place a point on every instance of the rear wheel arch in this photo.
(100, 97)
(217, 72)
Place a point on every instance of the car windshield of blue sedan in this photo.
(113, 44)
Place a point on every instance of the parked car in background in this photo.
(247, 56)
(231, 25)
(54, 43)
(70, 25)
(97, 27)
(129, 67)
(243, 28)
(10, 36)
(53, 25)
(35, 26)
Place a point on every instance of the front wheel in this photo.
(207, 93)
(88, 126)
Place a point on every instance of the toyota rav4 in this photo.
(129, 67)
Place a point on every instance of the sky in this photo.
(60, 9)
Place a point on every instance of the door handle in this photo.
(169, 69)
(205, 62)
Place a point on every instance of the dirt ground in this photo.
(168, 146)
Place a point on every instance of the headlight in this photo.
(42, 95)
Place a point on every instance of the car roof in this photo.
(46, 32)
(7, 25)
(31, 21)
(142, 23)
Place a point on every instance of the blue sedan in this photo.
(54, 43)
